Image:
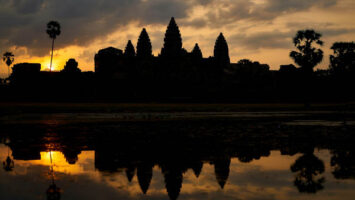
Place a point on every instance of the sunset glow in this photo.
(257, 30)
(60, 164)
(177, 99)
(46, 66)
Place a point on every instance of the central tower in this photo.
(172, 41)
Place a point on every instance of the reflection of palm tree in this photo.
(308, 167)
(8, 58)
(8, 164)
(53, 30)
(53, 192)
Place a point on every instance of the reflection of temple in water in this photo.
(175, 147)
(221, 169)
(144, 175)
(173, 180)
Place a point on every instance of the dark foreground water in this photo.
(191, 156)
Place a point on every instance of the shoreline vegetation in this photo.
(97, 107)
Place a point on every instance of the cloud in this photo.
(27, 7)
(331, 32)
(268, 40)
(83, 21)
(299, 5)
(23, 22)
(223, 12)
(275, 39)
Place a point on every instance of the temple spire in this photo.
(129, 50)
(144, 46)
(172, 41)
(173, 181)
(221, 169)
(144, 175)
(130, 171)
(221, 52)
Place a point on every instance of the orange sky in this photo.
(260, 30)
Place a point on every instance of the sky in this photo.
(259, 30)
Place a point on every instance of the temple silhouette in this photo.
(174, 72)
(177, 74)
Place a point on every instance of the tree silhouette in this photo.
(343, 163)
(172, 41)
(129, 50)
(250, 74)
(71, 66)
(221, 52)
(53, 30)
(8, 58)
(144, 46)
(8, 164)
(343, 60)
(308, 167)
(307, 56)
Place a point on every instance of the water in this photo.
(180, 156)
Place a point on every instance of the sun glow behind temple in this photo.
(46, 66)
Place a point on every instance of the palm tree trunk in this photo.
(8, 71)
(50, 68)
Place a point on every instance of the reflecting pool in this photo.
(268, 156)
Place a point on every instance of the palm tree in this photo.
(307, 56)
(53, 30)
(8, 58)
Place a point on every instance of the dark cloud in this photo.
(276, 39)
(27, 7)
(270, 39)
(330, 32)
(292, 5)
(326, 29)
(223, 12)
(197, 23)
(23, 22)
